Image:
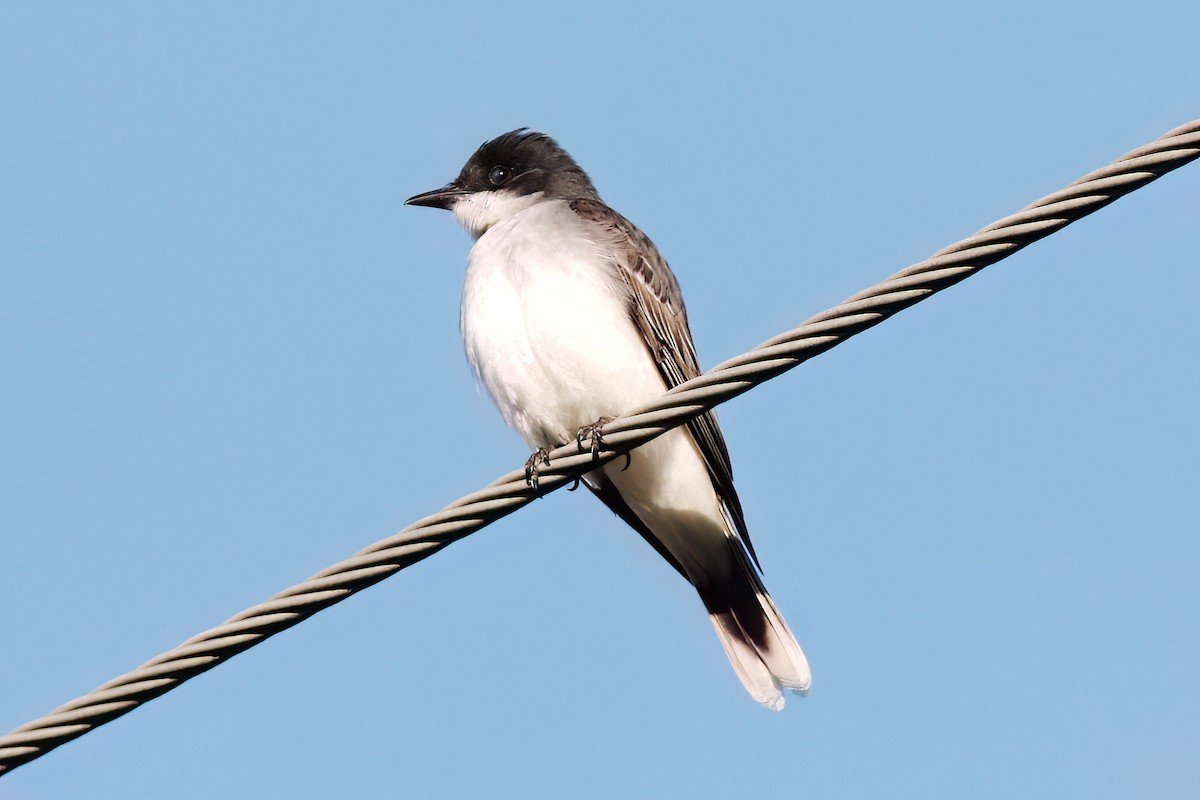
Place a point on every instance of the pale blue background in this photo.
(230, 357)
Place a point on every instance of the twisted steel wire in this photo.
(510, 492)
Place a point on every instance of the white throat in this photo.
(479, 211)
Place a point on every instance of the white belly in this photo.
(547, 329)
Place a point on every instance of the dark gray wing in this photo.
(656, 307)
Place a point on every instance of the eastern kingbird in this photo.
(570, 317)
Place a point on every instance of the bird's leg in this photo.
(595, 433)
(531, 468)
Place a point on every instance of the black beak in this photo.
(438, 198)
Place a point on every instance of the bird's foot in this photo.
(595, 434)
(541, 455)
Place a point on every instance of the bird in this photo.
(570, 316)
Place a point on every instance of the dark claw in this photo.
(574, 485)
(582, 434)
(595, 432)
(531, 468)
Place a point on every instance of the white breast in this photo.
(546, 326)
(545, 320)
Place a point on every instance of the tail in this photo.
(761, 647)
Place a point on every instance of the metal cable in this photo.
(730, 379)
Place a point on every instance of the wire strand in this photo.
(510, 492)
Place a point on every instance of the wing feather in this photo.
(657, 309)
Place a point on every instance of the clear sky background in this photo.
(229, 357)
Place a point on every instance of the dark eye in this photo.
(498, 176)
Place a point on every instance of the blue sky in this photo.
(230, 357)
